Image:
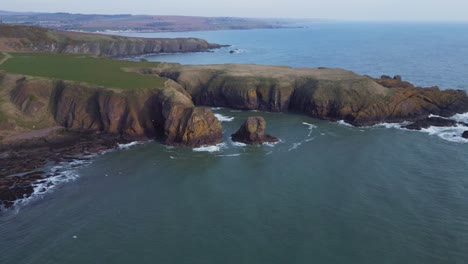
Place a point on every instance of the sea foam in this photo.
(310, 127)
(129, 145)
(224, 118)
(212, 148)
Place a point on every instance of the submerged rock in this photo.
(431, 121)
(253, 132)
(465, 134)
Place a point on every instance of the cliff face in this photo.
(22, 38)
(331, 94)
(165, 113)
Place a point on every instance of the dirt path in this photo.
(7, 56)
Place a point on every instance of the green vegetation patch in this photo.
(83, 68)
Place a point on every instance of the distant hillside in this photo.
(142, 23)
(26, 38)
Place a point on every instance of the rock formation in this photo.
(166, 113)
(24, 38)
(330, 94)
(253, 132)
(431, 121)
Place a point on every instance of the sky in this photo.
(381, 10)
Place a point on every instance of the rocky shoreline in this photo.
(24, 161)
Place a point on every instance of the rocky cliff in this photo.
(24, 38)
(166, 113)
(331, 94)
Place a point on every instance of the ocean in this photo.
(326, 193)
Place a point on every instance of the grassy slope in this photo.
(82, 68)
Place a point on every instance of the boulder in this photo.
(253, 132)
(465, 134)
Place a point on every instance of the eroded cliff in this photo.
(331, 94)
(166, 113)
(26, 39)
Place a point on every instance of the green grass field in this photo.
(82, 68)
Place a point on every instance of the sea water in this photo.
(326, 193)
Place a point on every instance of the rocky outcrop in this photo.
(431, 121)
(253, 132)
(194, 126)
(166, 113)
(24, 38)
(330, 94)
(17, 187)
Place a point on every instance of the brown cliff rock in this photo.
(330, 94)
(166, 113)
(25, 38)
(253, 132)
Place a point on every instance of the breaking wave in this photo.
(224, 118)
(212, 148)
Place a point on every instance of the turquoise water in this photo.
(327, 193)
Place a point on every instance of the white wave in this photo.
(238, 144)
(310, 127)
(343, 123)
(212, 148)
(216, 108)
(129, 145)
(460, 117)
(295, 146)
(229, 155)
(391, 125)
(452, 134)
(224, 118)
(61, 173)
(271, 144)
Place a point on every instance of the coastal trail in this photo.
(6, 56)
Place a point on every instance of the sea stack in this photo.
(252, 132)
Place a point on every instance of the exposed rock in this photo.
(331, 94)
(17, 187)
(195, 126)
(165, 112)
(395, 82)
(253, 132)
(25, 38)
(465, 134)
(431, 121)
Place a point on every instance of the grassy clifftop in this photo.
(82, 68)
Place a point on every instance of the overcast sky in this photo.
(419, 10)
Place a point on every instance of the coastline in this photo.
(25, 162)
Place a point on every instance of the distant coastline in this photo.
(139, 23)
